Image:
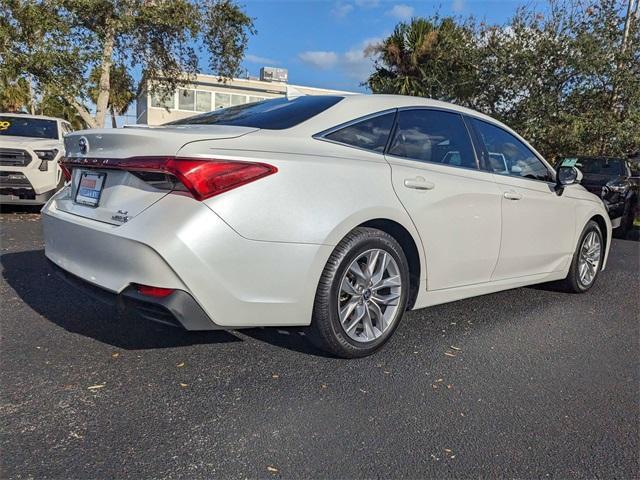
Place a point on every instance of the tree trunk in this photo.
(114, 124)
(105, 71)
(32, 103)
(83, 112)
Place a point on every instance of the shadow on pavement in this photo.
(38, 286)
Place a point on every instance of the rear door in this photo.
(537, 223)
(454, 205)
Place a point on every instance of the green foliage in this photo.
(566, 80)
(73, 47)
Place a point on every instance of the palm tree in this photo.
(15, 95)
(425, 57)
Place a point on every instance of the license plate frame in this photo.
(87, 194)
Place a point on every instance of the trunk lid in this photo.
(124, 194)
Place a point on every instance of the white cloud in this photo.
(401, 12)
(319, 59)
(367, 3)
(341, 10)
(356, 63)
(458, 6)
(264, 61)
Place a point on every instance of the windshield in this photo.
(28, 127)
(270, 114)
(601, 166)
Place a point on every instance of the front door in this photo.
(454, 206)
(537, 223)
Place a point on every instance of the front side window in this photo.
(433, 136)
(508, 155)
(370, 134)
(28, 127)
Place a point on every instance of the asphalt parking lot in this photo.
(526, 383)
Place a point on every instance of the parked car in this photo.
(30, 148)
(612, 180)
(333, 212)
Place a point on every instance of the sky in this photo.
(322, 42)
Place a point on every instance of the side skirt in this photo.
(427, 298)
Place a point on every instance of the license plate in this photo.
(90, 188)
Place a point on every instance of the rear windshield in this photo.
(274, 114)
(601, 166)
(28, 127)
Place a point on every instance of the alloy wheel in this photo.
(369, 294)
(589, 258)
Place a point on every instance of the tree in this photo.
(567, 79)
(121, 90)
(59, 43)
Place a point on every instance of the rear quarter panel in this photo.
(313, 198)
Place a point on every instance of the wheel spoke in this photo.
(378, 273)
(377, 312)
(386, 299)
(360, 312)
(372, 260)
(361, 278)
(347, 287)
(388, 283)
(348, 309)
(368, 325)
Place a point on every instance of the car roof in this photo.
(26, 115)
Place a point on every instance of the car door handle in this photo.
(513, 195)
(418, 183)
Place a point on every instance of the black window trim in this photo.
(323, 134)
(470, 136)
(485, 152)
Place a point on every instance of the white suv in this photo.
(30, 147)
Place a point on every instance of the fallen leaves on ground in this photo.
(272, 469)
(95, 387)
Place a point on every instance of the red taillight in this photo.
(157, 292)
(204, 178)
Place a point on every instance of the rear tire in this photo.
(361, 296)
(587, 260)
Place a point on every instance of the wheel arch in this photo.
(599, 219)
(410, 248)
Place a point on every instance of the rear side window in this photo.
(370, 134)
(275, 114)
(508, 155)
(433, 136)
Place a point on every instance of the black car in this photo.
(612, 180)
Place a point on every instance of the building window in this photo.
(255, 99)
(238, 99)
(160, 101)
(203, 101)
(223, 100)
(187, 99)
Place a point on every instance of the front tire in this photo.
(587, 260)
(362, 294)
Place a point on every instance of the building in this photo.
(208, 93)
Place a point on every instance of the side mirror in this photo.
(566, 176)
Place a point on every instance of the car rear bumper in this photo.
(181, 244)
(179, 309)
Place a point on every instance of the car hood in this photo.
(9, 141)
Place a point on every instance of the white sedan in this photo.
(334, 212)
